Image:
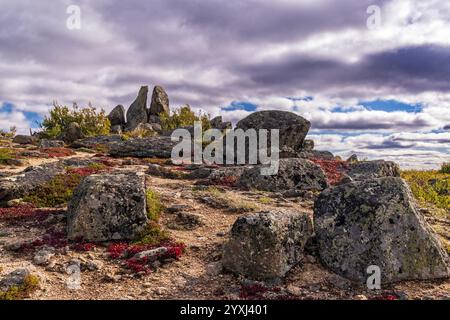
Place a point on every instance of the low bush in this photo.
(183, 117)
(445, 168)
(92, 123)
(430, 187)
(6, 154)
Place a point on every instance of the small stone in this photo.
(43, 256)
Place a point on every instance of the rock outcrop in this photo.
(373, 169)
(375, 222)
(137, 112)
(293, 174)
(266, 245)
(160, 102)
(160, 147)
(108, 207)
(45, 143)
(117, 116)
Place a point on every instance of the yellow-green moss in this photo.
(430, 187)
(30, 284)
(154, 205)
(153, 234)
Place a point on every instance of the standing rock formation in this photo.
(117, 116)
(108, 207)
(160, 102)
(375, 222)
(266, 245)
(137, 113)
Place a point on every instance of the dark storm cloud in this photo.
(410, 69)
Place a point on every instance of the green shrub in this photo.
(183, 117)
(154, 205)
(430, 187)
(445, 168)
(92, 123)
(153, 234)
(6, 154)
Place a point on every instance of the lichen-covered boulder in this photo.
(293, 173)
(117, 116)
(266, 245)
(293, 128)
(158, 146)
(375, 222)
(137, 112)
(46, 143)
(160, 102)
(108, 207)
(373, 169)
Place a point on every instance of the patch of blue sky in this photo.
(240, 105)
(33, 118)
(392, 106)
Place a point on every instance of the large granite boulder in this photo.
(108, 207)
(293, 173)
(266, 245)
(150, 147)
(160, 102)
(117, 116)
(373, 169)
(137, 112)
(375, 222)
(293, 128)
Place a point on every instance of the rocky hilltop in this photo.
(110, 216)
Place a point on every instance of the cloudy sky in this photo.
(379, 92)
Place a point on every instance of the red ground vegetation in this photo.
(25, 212)
(126, 251)
(334, 169)
(57, 152)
